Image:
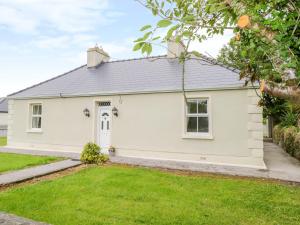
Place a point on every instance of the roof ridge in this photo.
(217, 62)
(53, 78)
(133, 59)
(203, 57)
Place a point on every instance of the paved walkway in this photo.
(8, 219)
(37, 171)
(279, 165)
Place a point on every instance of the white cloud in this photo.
(59, 15)
(212, 46)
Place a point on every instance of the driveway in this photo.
(280, 164)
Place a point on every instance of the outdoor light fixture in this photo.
(115, 111)
(86, 112)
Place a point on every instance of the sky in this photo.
(40, 39)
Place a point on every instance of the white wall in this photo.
(149, 125)
(3, 118)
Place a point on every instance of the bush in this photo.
(92, 154)
(277, 134)
(290, 118)
(297, 146)
(289, 135)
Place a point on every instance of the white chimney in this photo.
(95, 56)
(175, 49)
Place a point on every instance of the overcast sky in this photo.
(40, 39)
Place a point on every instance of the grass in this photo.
(3, 141)
(121, 195)
(11, 161)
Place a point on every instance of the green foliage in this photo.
(91, 154)
(164, 23)
(273, 107)
(263, 52)
(277, 134)
(289, 118)
(102, 159)
(145, 27)
(297, 146)
(289, 135)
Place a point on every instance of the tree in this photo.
(266, 36)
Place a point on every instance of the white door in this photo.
(104, 128)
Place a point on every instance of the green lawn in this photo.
(118, 195)
(3, 141)
(11, 161)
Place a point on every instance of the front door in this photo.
(104, 127)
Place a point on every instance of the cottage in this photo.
(138, 107)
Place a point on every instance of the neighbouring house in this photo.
(138, 107)
(3, 116)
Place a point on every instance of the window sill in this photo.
(198, 136)
(34, 131)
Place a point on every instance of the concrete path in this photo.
(280, 165)
(37, 171)
(71, 155)
(8, 219)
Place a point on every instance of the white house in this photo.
(3, 116)
(138, 107)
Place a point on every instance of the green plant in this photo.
(92, 154)
(102, 159)
(290, 118)
(297, 146)
(289, 135)
(277, 134)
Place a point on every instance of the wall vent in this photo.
(104, 103)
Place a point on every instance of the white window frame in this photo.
(31, 116)
(198, 135)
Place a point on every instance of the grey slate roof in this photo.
(152, 74)
(3, 105)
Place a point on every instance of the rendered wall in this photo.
(3, 118)
(148, 126)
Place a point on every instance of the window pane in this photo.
(203, 124)
(192, 106)
(37, 110)
(36, 122)
(191, 124)
(202, 106)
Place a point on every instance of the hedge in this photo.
(288, 143)
(297, 146)
(277, 133)
(288, 138)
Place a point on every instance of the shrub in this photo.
(92, 154)
(102, 159)
(289, 135)
(297, 146)
(277, 133)
(290, 118)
